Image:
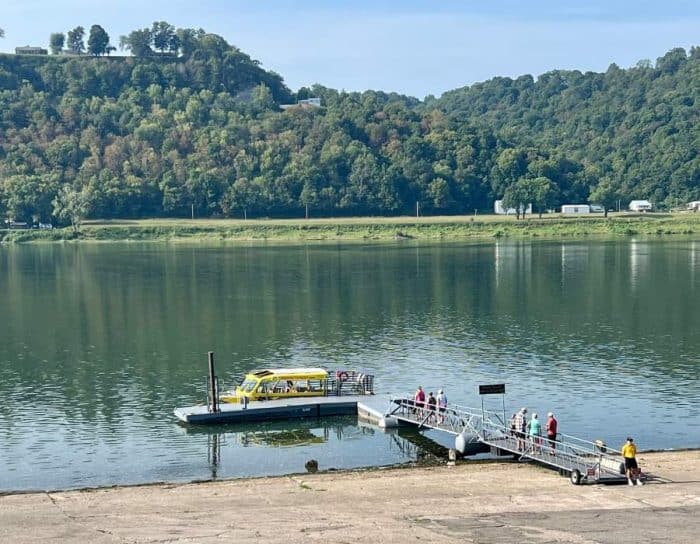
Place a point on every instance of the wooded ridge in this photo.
(200, 131)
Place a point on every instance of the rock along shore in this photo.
(472, 502)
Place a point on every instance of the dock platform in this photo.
(281, 409)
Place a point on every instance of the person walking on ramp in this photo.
(629, 452)
(521, 427)
(442, 404)
(551, 428)
(535, 433)
(419, 399)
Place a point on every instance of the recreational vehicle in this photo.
(498, 209)
(640, 206)
(575, 208)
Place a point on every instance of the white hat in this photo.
(550, 414)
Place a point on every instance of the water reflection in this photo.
(214, 453)
(694, 248)
(290, 441)
(639, 260)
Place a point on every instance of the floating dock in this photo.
(273, 409)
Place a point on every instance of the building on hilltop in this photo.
(305, 103)
(31, 50)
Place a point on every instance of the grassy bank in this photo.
(367, 228)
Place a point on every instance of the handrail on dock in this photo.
(581, 458)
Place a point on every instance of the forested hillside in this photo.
(635, 131)
(160, 135)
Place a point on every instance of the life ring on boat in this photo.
(342, 376)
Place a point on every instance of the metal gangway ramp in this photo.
(579, 459)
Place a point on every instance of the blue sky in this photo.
(417, 47)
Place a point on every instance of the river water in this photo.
(98, 343)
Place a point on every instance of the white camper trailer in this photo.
(640, 206)
(694, 206)
(575, 208)
(499, 210)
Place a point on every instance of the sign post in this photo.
(493, 389)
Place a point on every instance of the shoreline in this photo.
(365, 229)
(470, 502)
(410, 465)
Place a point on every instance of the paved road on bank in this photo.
(484, 503)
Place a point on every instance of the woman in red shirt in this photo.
(551, 429)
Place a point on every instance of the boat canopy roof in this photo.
(290, 373)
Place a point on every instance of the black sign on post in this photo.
(493, 389)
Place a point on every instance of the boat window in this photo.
(278, 386)
(248, 385)
(266, 386)
(301, 386)
(316, 385)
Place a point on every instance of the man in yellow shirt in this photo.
(629, 452)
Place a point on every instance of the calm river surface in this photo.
(98, 343)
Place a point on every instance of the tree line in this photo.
(163, 134)
(161, 37)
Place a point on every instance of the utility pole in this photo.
(417, 212)
(193, 210)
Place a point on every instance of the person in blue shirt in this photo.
(535, 432)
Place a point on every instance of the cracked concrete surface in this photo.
(482, 503)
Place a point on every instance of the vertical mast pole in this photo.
(212, 385)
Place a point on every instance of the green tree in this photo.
(544, 193)
(72, 206)
(439, 193)
(518, 195)
(188, 40)
(28, 196)
(164, 36)
(57, 41)
(98, 41)
(263, 98)
(75, 40)
(138, 42)
(510, 166)
(605, 195)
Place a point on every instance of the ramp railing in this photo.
(568, 453)
(454, 419)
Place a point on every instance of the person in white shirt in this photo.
(442, 404)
